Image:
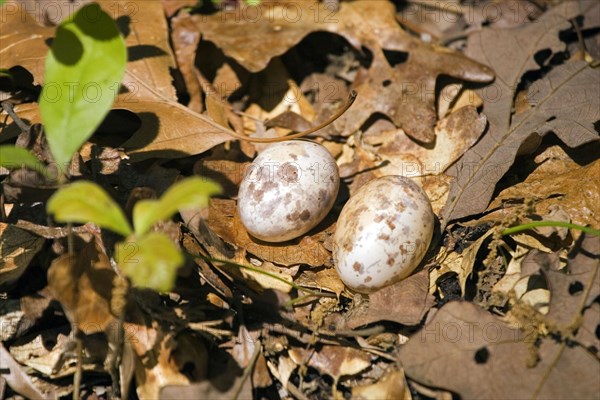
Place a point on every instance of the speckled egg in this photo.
(288, 189)
(382, 233)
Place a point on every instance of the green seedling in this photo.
(148, 258)
(84, 69)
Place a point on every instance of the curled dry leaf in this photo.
(386, 150)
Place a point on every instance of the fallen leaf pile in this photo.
(493, 107)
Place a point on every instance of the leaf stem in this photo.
(560, 224)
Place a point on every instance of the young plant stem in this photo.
(559, 224)
(76, 333)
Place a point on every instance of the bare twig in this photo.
(7, 106)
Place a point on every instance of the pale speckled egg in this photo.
(288, 189)
(382, 233)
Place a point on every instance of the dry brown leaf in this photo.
(565, 92)
(224, 220)
(253, 35)
(224, 380)
(145, 29)
(463, 337)
(322, 279)
(334, 361)
(83, 285)
(405, 302)
(587, 333)
(18, 316)
(576, 288)
(17, 249)
(571, 187)
(454, 135)
(169, 130)
(23, 40)
(154, 368)
(406, 92)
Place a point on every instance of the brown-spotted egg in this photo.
(288, 189)
(382, 233)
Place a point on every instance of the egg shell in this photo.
(382, 233)
(288, 189)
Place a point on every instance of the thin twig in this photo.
(7, 106)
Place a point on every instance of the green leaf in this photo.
(12, 157)
(150, 262)
(84, 202)
(188, 193)
(84, 69)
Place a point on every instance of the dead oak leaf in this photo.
(169, 130)
(563, 102)
(463, 337)
(253, 35)
(577, 288)
(406, 92)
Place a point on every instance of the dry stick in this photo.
(7, 106)
(236, 135)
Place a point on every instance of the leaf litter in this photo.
(496, 117)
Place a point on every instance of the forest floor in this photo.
(491, 106)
